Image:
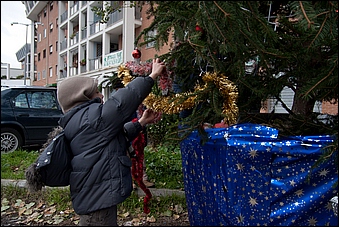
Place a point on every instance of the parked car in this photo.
(28, 114)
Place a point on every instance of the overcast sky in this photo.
(13, 38)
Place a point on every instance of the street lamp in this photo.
(26, 49)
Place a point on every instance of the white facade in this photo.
(104, 46)
(10, 73)
(287, 95)
(5, 83)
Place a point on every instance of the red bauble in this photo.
(136, 53)
(198, 28)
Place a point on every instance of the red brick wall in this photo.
(328, 108)
(51, 60)
(149, 53)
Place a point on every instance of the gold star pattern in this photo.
(240, 219)
(253, 153)
(240, 167)
(329, 206)
(323, 172)
(253, 201)
(299, 193)
(292, 182)
(312, 221)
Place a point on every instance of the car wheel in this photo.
(11, 140)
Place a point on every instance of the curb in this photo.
(140, 193)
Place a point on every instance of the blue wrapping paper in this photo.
(245, 175)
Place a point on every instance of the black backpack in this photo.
(53, 166)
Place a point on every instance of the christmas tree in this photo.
(248, 51)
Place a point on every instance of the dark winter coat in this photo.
(101, 175)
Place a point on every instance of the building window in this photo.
(151, 35)
(38, 76)
(50, 27)
(44, 53)
(51, 6)
(39, 56)
(56, 69)
(39, 37)
(45, 12)
(50, 49)
(56, 46)
(51, 72)
(43, 74)
(45, 33)
(56, 22)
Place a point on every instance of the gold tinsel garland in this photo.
(178, 102)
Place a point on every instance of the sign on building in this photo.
(113, 59)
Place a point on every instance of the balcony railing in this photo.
(95, 63)
(83, 3)
(95, 27)
(83, 69)
(62, 73)
(64, 16)
(75, 39)
(137, 13)
(114, 17)
(74, 8)
(63, 45)
(73, 71)
(83, 33)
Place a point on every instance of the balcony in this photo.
(63, 16)
(114, 17)
(95, 27)
(73, 71)
(95, 63)
(74, 8)
(83, 33)
(63, 45)
(83, 3)
(74, 38)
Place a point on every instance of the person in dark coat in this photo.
(100, 134)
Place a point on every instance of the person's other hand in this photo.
(149, 116)
(157, 67)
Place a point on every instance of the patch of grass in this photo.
(59, 196)
(163, 165)
(159, 205)
(14, 164)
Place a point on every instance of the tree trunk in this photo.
(302, 106)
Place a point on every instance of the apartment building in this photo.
(73, 42)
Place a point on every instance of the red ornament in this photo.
(136, 53)
(198, 28)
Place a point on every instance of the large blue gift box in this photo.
(245, 175)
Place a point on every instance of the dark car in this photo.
(28, 114)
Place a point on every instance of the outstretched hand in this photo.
(157, 67)
(149, 116)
